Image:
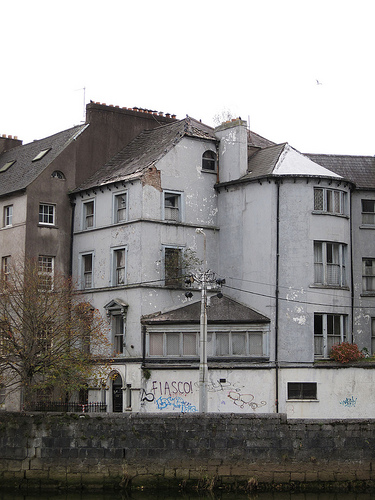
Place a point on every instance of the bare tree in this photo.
(51, 339)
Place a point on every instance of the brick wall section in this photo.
(68, 450)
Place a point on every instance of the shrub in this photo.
(345, 352)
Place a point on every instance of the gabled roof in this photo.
(283, 160)
(359, 169)
(220, 311)
(147, 148)
(24, 170)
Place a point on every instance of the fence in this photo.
(72, 406)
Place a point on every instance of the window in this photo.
(8, 215)
(209, 161)
(368, 275)
(172, 266)
(120, 214)
(7, 165)
(4, 339)
(88, 214)
(57, 174)
(118, 333)
(87, 270)
(119, 258)
(173, 344)
(372, 336)
(172, 206)
(329, 329)
(229, 343)
(46, 214)
(45, 271)
(329, 264)
(331, 201)
(41, 155)
(2, 395)
(302, 390)
(5, 267)
(368, 212)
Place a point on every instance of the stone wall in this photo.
(191, 450)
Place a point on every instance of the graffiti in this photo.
(176, 403)
(242, 400)
(172, 388)
(147, 396)
(349, 402)
(218, 386)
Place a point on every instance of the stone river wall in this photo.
(184, 450)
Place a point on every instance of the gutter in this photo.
(277, 297)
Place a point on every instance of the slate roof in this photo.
(147, 148)
(358, 169)
(24, 170)
(220, 311)
(264, 161)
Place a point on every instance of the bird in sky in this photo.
(318, 82)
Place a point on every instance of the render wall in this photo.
(92, 450)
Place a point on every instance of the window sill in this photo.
(367, 226)
(334, 287)
(367, 294)
(207, 171)
(302, 400)
(320, 212)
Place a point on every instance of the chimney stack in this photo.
(8, 142)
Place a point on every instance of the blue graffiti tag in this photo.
(349, 402)
(175, 404)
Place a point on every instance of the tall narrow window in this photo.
(8, 215)
(372, 336)
(329, 329)
(173, 266)
(88, 214)
(120, 208)
(329, 264)
(46, 214)
(118, 333)
(87, 269)
(368, 212)
(172, 206)
(5, 267)
(119, 257)
(368, 275)
(45, 271)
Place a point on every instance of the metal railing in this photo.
(73, 407)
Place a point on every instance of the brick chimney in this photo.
(8, 142)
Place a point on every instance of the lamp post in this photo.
(203, 367)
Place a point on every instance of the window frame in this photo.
(116, 209)
(326, 269)
(209, 161)
(367, 213)
(366, 276)
(303, 390)
(114, 252)
(181, 331)
(168, 280)
(178, 195)
(49, 274)
(372, 336)
(329, 339)
(329, 201)
(8, 216)
(42, 214)
(85, 272)
(5, 267)
(86, 215)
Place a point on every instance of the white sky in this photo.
(259, 59)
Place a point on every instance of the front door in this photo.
(117, 394)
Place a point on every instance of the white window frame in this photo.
(210, 161)
(326, 273)
(42, 214)
(181, 330)
(118, 337)
(333, 201)
(8, 216)
(116, 210)
(84, 273)
(46, 268)
(5, 267)
(177, 210)
(368, 217)
(368, 276)
(86, 216)
(114, 253)
(324, 341)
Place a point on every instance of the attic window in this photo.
(57, 174)
(209, 160)
(7, 165)
(41, 155)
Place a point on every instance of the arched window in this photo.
(209, 160)
(57, 174)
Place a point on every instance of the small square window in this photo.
(302, 390)
(368, 212)
(46, 214)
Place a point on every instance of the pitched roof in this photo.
(224, 311)
(24, 170)
(147, 148)
(358, 169)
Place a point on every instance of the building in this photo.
(290, 233)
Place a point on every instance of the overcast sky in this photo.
(258, 59)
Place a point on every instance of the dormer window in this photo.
(209, 161)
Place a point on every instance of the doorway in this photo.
(117, 401)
